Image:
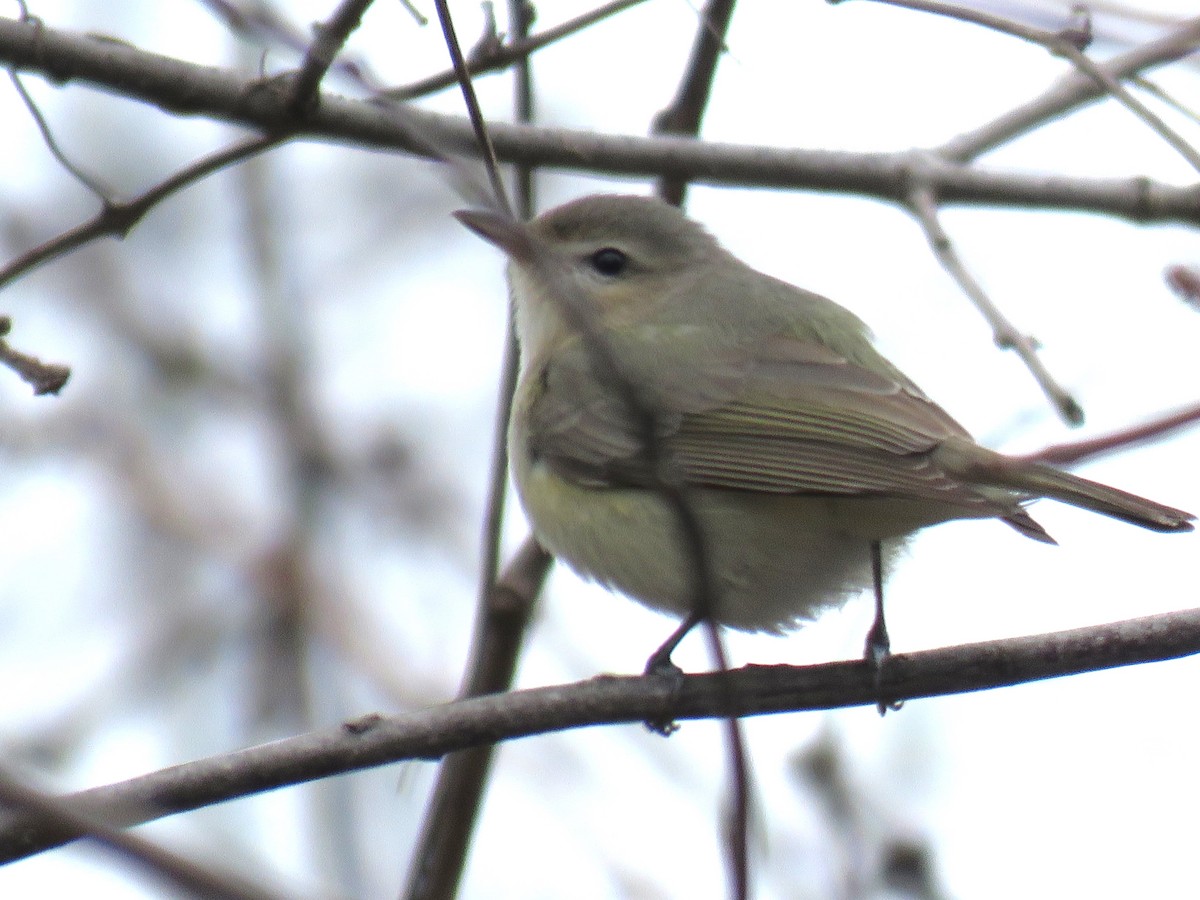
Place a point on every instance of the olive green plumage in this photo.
(798, 441)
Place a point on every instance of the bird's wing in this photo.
(784, 416)
(806, 420)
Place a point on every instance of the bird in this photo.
(657, 368)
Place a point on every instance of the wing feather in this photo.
(786, 416)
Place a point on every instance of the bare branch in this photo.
(118, 219)
(183, 87)
(1072, 91)
(262, 23)
(328, 41)
(1137, 435)
(1007, 336)
(1069, 42)
(88, 180)
(45, 378)
(499, 57)
(1078, 37)
(1135, 106)
(686, 110)
(754, 690)
(450, 816)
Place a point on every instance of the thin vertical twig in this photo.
(503, 611)
(451, 813)
(686, 111)
(474, 113)
(683, 116)
(328, 39)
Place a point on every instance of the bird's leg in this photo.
(879, 646)
(659, 665)
(659, 662)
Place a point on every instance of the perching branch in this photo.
(607, 700)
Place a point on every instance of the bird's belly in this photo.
(776, 560)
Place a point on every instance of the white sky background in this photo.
(1083, 786)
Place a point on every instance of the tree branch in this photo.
(190, 89)
(924, 205)
(754, 690)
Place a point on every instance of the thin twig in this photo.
(502, 56)
(1166, 97)
(502, 615)
(328, 40)
(738, 844)
(1135, 106)
(1069, 43)
(923, 203)
(264, 24)
(753, 690)
(1071, 92)
(450, 815)
(683, 117)
(479, 128)
(1078, 37)
(520, 17)
(1156, 429)
(89, 181)
(44, 378)
(686, 111)
(118, 219)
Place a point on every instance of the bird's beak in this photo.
(496, 228)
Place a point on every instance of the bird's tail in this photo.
(1042, 481)
(1029, 479)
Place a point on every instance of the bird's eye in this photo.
(609, 261)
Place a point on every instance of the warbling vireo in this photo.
(800, 447)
